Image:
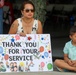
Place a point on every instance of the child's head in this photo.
(72, 30)
(73, 33)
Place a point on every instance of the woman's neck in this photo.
(27, 21)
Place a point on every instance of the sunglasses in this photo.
(28, 10)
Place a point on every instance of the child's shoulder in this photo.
(68, 43)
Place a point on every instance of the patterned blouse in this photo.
(34, 27)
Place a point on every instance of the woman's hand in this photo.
(22, 34)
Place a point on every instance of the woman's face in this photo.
(28, 11)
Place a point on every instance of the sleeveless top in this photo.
(34, 27)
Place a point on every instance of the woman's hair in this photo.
(72, 30)
(27, 2)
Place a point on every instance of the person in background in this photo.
(1, 3)
(8, 12)
(26, 24)
(1, 16)
(69, 62)
(8, 16)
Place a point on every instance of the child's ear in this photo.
(70, 36)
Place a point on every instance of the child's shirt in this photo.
(70, 50)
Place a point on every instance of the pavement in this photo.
(40, 73)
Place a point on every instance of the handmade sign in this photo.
(31, 53)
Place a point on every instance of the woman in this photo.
(26, 24)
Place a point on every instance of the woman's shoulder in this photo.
(16, 21)
(38, 21)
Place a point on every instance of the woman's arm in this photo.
(40, 30)
(13, 28)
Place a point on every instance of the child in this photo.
(69, 62)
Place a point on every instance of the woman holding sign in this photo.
(26, 24)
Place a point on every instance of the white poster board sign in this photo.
(31, 53)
